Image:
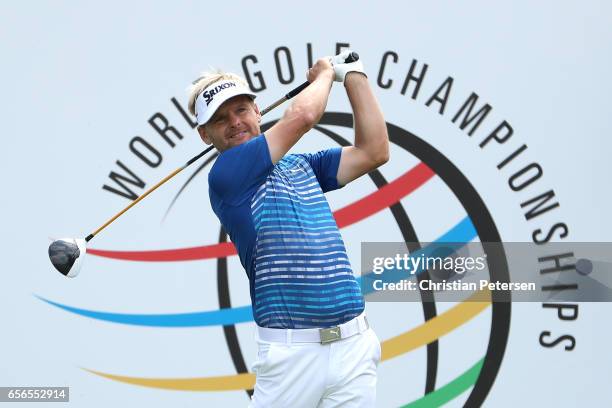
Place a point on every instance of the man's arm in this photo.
(304, 112)
(371, 148)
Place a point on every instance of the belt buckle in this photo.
(330, 334)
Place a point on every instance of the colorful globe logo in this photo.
(438, 320)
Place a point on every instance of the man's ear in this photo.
(257, 112)
(204, 135)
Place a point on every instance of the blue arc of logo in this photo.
(463, 231)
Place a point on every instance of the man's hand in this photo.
(304, 112)
(322, 67)
(341, 69)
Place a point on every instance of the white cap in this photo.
(212, 97)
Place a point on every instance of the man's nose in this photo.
(234, 120)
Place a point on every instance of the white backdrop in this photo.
(82, 80)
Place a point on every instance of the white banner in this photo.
(498, 116)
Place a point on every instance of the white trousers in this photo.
(314, 375)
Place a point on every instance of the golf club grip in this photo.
(297, 90)
(352, 57)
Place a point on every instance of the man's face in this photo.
(235, 122)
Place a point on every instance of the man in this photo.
(315, 346)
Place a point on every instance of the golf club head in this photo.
(67, 254)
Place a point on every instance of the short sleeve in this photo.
(325, 166)
(239, 171)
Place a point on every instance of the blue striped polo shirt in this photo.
(286, 235)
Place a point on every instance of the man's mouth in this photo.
(238, 135)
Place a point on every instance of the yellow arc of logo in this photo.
(391, 348)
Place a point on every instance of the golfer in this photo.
(315, 347)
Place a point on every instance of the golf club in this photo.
(66, 254)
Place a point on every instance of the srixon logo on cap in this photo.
(208, 95)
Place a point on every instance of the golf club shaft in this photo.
(288, 96)
(149, 191)
(352, 57)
